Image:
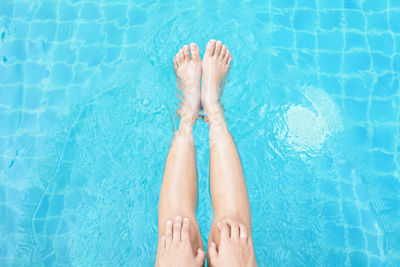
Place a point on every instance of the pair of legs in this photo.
(180, 243)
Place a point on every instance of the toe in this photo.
(223, 51)
(223, 229)
(185, 230)
(194, 50)
(218, 48)
(234, 230)
(177, 229)
(175, 63)
(200, 257)
(227, 55)
(250, 242)
(212, 252)
(181, 55)
(210, 47)
(176, 59)
(243, 232)
(163, 244)
(186, 52)
(229, 60)
(168, 234)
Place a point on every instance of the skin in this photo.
(230, 242)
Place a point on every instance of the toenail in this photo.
(186, 220)
(169, 222)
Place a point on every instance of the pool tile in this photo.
(56, 98)
(382, 63)
(279, 4)
(306, 61)
(381, 42)
(305, 19)
(394, 16)
(35, 73)
(38, 226)
(357, 87)
(305, 40)
(331, 210)
(385, 137)
(37, 50)
(43, 208)
(330, 4)
(51, 226)
(356, 239)
(91, 55)
(114, 35)
(356, 61)
(47, 10)
(282, 38)
(47, 121)
(355, 40)
(374, 5)
(377, 22)
(65, 53)
(9, 123)
(329, 62)
(14, 50)
(11, 95)
(137, 16)
(330, 41)
(89, 11)
(306, 3)
(43, 30)
(56, 205)
(117, 12)
(29, 120)
(373, 243)
(356, 110)
(90, 32)
(383, 161)
(69, 11)
(60, 74)
(354, 20)
(383, 110)
(331, 19)
(282, 18)
(358, 259)
(351, 213)
(20, 29)
(112, 54)
(32, 97)
(335, 258)
(334, 235)
(6, 8)
(23, 10)
(66, 31)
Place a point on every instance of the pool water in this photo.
(87, 102)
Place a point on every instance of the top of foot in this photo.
(235, 248)
(188, 72)
(176, 249)
(215, 67)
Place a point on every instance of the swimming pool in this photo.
(87, 93)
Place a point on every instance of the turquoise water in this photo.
(87, 93)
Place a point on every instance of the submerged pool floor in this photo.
(87, 93)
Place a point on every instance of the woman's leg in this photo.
(229, 195)
(178, 196)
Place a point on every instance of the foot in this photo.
(215, 67)
(176, 249)
(235, 248)
(188, 73)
